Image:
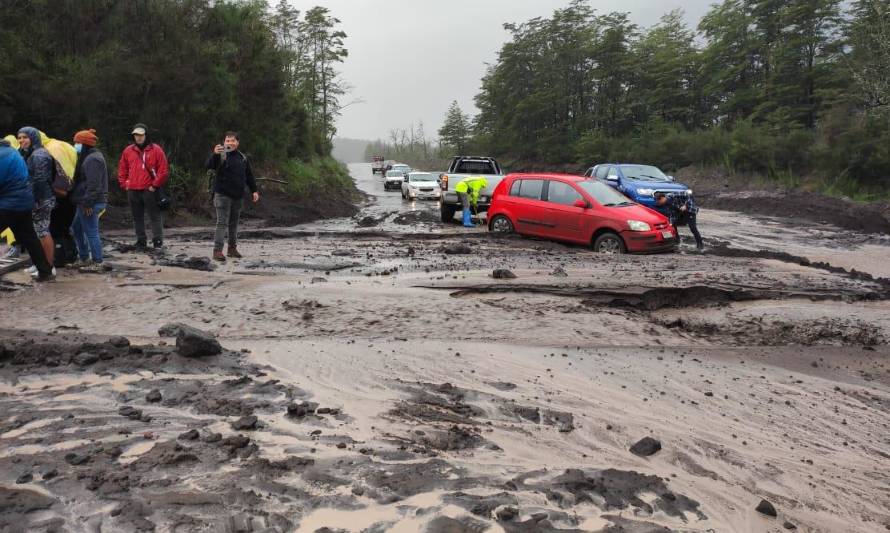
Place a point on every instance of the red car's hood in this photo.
(637, 212)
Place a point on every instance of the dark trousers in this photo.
(142, 202)
(693, 228)
(227, 212)
(60, 229)
(23, 228)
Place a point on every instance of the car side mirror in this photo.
(670, 178)
(611, 178)
(582, 204)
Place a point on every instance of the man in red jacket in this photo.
(142, 171)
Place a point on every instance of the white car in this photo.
(401, 167)
(393, 179)
(421, 186)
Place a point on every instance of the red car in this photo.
(579, 210)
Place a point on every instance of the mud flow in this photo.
(390, 372)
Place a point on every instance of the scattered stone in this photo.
(645, 447)
(245, 423)
(789, 525)
(204, 264)
(456, 249)
(341, 445)
(192, 342)
(170, 330)
(766, 508)
(323, 411)
(154, 396)
(559, 272)
(299, 410)
(191, 434)
(119, 342)
(24, 478)
(85, 359)
(49, 474)
(76, 459)
(507, 514)
(130, 412)
(503, 273)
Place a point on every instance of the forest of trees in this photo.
(777, 87)
(190, 69)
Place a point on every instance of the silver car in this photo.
(421, 186)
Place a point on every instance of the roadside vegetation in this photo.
(190, 69)
(792, 93)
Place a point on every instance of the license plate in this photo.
(667, 234)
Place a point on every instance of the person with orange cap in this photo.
(90, 195)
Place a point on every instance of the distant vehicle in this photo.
(638, 182)
(579, 210)
(393, 179)
(462, 167)
(377, 164)
(402, 167)
(421, 186)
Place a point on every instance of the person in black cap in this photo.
(141, 172)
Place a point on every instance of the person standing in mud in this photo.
(233, 174)
(41, 167)
(680, 212)
(142, 170)
(90, 196)
(468, 190)
(16, 207)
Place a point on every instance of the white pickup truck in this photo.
(462, 167)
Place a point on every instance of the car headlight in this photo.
(645, 192)
(636, 225)
(688, 192)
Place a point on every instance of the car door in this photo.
(563, 219)
(529, 208)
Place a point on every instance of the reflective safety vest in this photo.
(472, 185)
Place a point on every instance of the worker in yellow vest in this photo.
(468, 190)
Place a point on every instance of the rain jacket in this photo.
(91, 179)
(41, 166)
(232, 175)
(141, 168)
(472, 185)
(15, 189)
(61, 151)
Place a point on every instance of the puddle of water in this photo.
(133, 452)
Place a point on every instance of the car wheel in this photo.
(446, 212)
(610, 244)
(500, 224)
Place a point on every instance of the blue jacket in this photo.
(41, 166)
(15, 189)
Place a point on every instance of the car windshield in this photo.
(603, 194)
(643, 173)
(421, 177)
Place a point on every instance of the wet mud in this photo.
(383, 378)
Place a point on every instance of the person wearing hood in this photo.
(16, 206)
(90, 195)
(143, 170)
(41, 168)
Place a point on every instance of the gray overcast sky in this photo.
(409, 59)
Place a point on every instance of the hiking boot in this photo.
(141, 244)
(94, 267)
(233, 252)
(218, 256)
(157, 244)
(81, 263)
(36, 274)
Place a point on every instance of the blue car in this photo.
(638, 182)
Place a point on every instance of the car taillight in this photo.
(444, 182)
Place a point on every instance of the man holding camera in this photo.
(233, 174)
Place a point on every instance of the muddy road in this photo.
(387, 372)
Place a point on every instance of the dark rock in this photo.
(645, 447)
(323, 411)
(24, 478)
(559, 272)
(192, 342)
(503, 273)
(236, 442)
(245, 423)
(154, 396)
(789, 525)
(130, 412)
(76, 459)
(170, 330)
(299, 410)
(341, 445)
(456, 249)
(766, 508)
(203, 264)
(191, 434)
(212, 437)
(507, 514)
(119, 342)
(49, 474)
(85, 359)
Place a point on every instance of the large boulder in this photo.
(192, 342)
